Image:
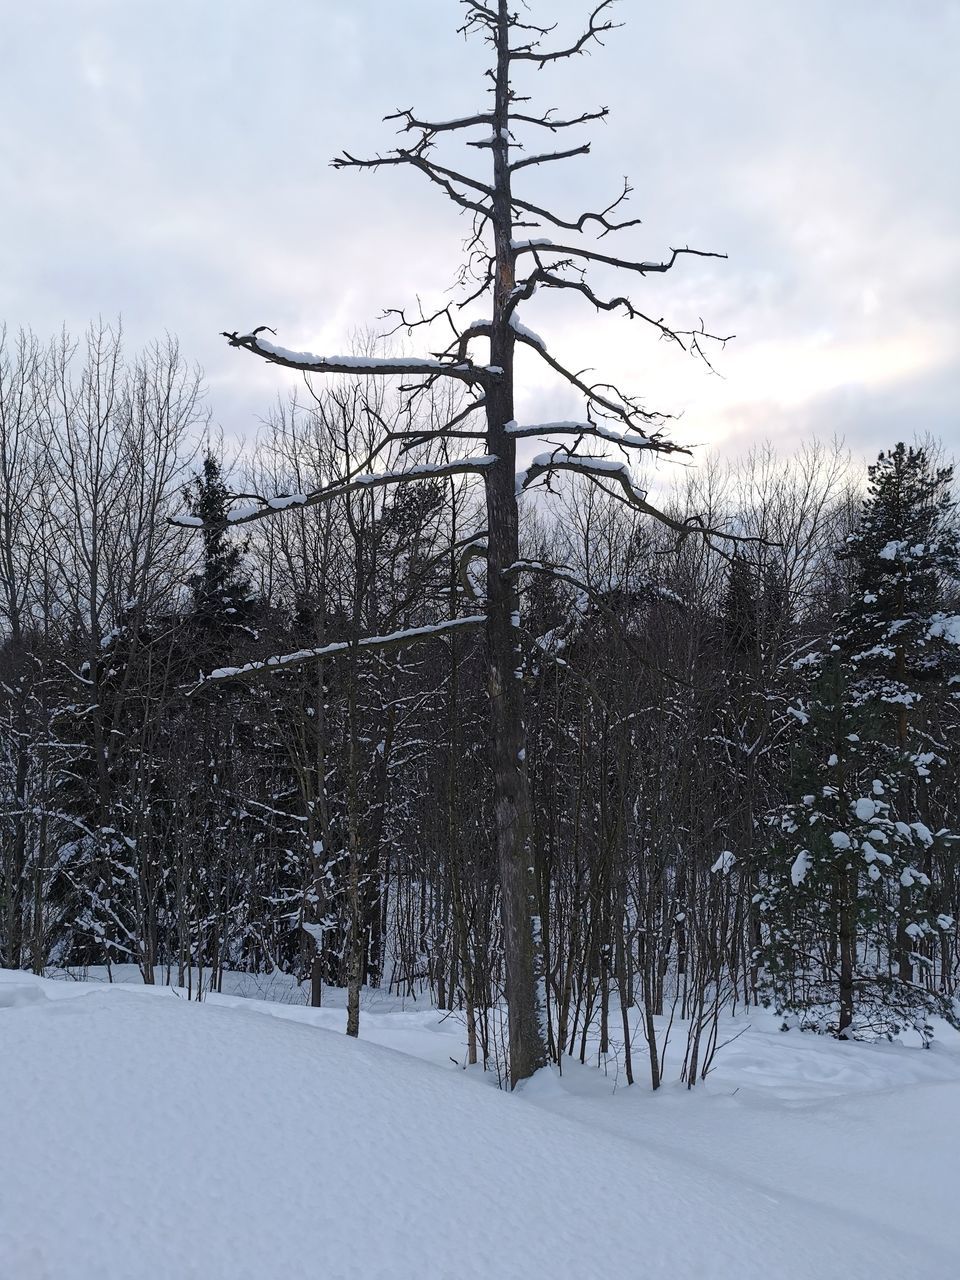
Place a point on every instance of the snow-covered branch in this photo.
(370, 480)
(474, 549)
(527, 161)
(307, 362)
(627, 490)
(546, 121)
(545, 464)
(596, 430)
(623, 264)
(366, 644)
(410, 121)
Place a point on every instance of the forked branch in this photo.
(627, 491)
(596, 27)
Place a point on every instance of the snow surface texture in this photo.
(148, 1136)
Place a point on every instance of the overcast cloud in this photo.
(169, 162)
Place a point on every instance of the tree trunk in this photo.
(848, 947)
(518, 886)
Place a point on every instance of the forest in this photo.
(545, 722)
(482, 804)
(741, 751)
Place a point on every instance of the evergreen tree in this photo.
(741, 608)
(846, 905)
(221, 588)
(221, 728)
(906, 554)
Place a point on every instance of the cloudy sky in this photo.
(169, 163)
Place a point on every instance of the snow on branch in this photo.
(307, 362)
(545, 158)
(410, 121)
(366, 644)
(623, 264)
(474, 549)
(545, 464)
(945, 626)
(628, 491)
(532, 339)
(561, 573)
(600, 601)
(368, 480)
(626, 440)
(547, 121)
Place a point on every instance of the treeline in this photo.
(743, 755)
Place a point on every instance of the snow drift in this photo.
(146, 1136)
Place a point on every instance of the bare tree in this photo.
(22, 526)
(505, 271)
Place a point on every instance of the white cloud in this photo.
(171, 163)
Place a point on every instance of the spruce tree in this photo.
(220, 588)
(846, 904)
(741, 608)
(906, 554)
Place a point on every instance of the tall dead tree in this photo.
(504, 270)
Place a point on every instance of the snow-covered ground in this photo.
(144, 1135)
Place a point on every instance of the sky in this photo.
(169, 164)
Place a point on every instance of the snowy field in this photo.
(144, 1135)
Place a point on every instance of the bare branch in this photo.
(593, 32)
(418, 160)
(412, 438)
(426, 320)
(338, 489)
(560, 573)
(608, 469)
(595, 430)
(366, 644)
(441, 126)
(621, 302)
(624, 264)
(603, 217)
(551, 155)
(478, 15)
(545, 121)
(473, 550)
(307, 362)
(627, 410)
(438, 174)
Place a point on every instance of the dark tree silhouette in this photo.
(505, 270)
